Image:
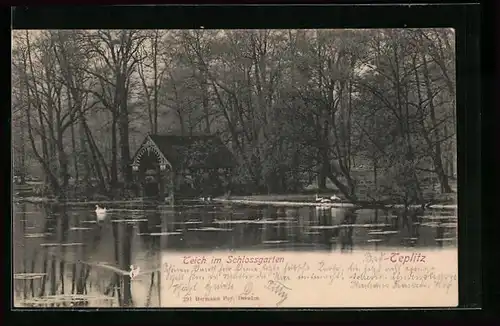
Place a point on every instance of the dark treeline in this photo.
(294, 106)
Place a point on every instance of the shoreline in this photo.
(44, 200)
(241, 201)
(321, 205)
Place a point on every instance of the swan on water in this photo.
(134, 271)
(100, 212)
(335, 198)
(321, 199)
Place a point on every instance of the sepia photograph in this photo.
(234, 168)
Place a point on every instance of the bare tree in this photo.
(371, 111)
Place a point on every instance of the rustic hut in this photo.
(168, 166)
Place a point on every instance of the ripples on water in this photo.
(67, 257)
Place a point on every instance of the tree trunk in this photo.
(443, 178)
(114, 149)
(75, 154)
(44, 158)
(22, 152)
(155, 83)
(324, 159)
(97, 158)
(204, 100)
(123, 127)
(63, 165)
(125, 149)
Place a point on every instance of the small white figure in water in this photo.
(335, 198)
(321, 199)
(100, 212)
(206, 199)
(134, 271)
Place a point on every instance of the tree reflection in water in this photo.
(65, 257)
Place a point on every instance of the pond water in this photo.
(69, 256)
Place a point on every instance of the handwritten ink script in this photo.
(286, 279)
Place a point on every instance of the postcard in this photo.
(304, 168)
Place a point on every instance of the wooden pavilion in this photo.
(173, 166)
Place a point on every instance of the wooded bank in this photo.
(294, 106)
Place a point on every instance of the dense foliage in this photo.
(372, 111)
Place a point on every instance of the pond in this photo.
(70, 257)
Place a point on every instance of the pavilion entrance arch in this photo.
(153, 173)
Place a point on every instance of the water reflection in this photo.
(66, 256)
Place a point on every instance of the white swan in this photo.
(100, 212)
(134, 271)
(321, 199)
(206, 199)
(335, 198)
